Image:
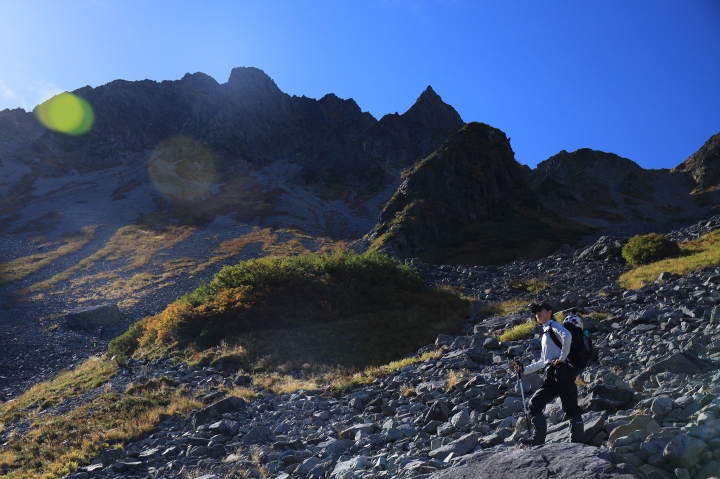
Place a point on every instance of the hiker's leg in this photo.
(546, 393)
(568, 395)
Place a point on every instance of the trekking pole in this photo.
(522, 394)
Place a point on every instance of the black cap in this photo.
(537, 307)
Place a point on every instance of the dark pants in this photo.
(559, 381)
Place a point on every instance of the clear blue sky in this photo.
(638, 78)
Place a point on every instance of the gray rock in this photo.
(336, 447)
(711, 469)
(593, 421)
(345, 469)
(661, 406)
(460, 419)
(677, 363)
(645, 423)
(602, 398)
(458, 447)
(215, 411)
(258, 434)
(92, 317)
(575, 461)
(110, 456)
(707, 431)
(684, 451)
(438, 411)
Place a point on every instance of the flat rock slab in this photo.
(571, 461)
(93, 316)
(594, 422)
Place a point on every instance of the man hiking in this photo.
(559, 379)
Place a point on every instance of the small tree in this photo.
(644, 249)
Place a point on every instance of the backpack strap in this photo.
(553, 336)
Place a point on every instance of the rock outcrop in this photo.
(703, 166)
(606, 190)
(462, 195)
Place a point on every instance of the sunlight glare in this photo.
(66, 113)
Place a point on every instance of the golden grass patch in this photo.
(521, 331)
(66, 385)
(135, 244)
(502, 308)
(695, 255)
(21, 268)
(530, 285)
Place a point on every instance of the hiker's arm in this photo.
(537, 365)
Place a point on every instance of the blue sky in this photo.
(640, 79)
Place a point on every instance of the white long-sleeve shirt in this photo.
(550, 350)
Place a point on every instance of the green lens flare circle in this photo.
(66, 113)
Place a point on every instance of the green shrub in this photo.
(645, 249)
(125, 345)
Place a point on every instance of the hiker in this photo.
(100, 332)
(559, 379)
(94, 344)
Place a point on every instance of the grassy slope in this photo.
(325, 309)
(695, 255)
(318, 294)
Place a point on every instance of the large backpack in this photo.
(580, 348)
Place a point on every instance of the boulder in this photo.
(438, 411)
(684, 451)
(678, 363)
(458, 447)
(215, 411)
(602, 398)
(258, 434)
(576, 461)
(646, 424)
(594, 422)
(345, 469)
(93, 316)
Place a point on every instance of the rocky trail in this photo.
(651, 396)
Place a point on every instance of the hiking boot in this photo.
(577, 429)
(539, 431)
(529, 442)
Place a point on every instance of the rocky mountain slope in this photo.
(178, 178)
(608, 191)
(651, 396)
(704, 166)
(175, 180)
(454, 205)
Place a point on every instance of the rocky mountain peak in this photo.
(199, 80)
(472, 179)
(250, 81)
(431, 109)
(703, 166)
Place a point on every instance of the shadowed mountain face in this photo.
(249, 119)
(469, 202)
(608, 191)
(257, 152)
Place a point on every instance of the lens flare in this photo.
(182, 169)
(66, 113)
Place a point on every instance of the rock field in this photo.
(651, 396)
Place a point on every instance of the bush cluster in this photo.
(278, 295)
(645, 249)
